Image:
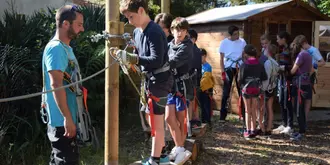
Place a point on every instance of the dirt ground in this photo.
(224, 144)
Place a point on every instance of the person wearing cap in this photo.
(61, 105)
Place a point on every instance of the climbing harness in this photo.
(147, 105)
(299, 90)
(86, 134)
(237, 62)
(285, 85)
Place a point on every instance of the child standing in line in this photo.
(251, 74)
(317, 60)
(269, 88)
(151, 55)
(285, 83)
(206, 84)
(265, 41)
(180, 51)
(301, 89)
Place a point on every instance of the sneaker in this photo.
(182, 156)
(164, 160)
(279, 129)
(287, 130)
(173, 154)
(247, 135)
(253, 134)
(296, 137)
(149, 162)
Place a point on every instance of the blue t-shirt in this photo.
(206, 67)
(56, 58)
(316, 55)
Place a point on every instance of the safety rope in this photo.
(56, 89)
(94, 38)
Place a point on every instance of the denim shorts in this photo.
(179, 102)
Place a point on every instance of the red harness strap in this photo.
(300, 92)
(185, 112)
(151, 109)
(240, 107)
(85, 93)
(288, 86)
(195, 100)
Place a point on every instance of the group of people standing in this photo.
(287, 71)
(176, 72)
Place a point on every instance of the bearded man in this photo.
(58, 65)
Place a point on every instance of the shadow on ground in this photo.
(224, 144)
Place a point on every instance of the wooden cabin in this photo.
(294, 16)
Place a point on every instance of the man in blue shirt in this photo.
(59, 63)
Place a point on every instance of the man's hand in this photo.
(70, 128)
(127, 58)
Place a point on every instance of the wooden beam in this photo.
(111, 140)
(165, 6)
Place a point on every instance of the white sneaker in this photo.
(173, 153)
(182, 156)
(287, 130)
(279, 129)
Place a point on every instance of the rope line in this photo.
(48, 91)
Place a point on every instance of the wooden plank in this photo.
(193, 146)
(199, 131)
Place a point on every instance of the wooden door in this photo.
(322, 41)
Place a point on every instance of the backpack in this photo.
(273, 77)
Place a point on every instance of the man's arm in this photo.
(222, 64)
(56, 81)
(319, 58)
(294, 68)
(321, 63)
(56, 61)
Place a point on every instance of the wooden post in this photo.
(113, 26)
(165, 6)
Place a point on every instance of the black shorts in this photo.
(306, 94)
(64, 149)
(160, 90)
(270, 93)
(313, 78)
